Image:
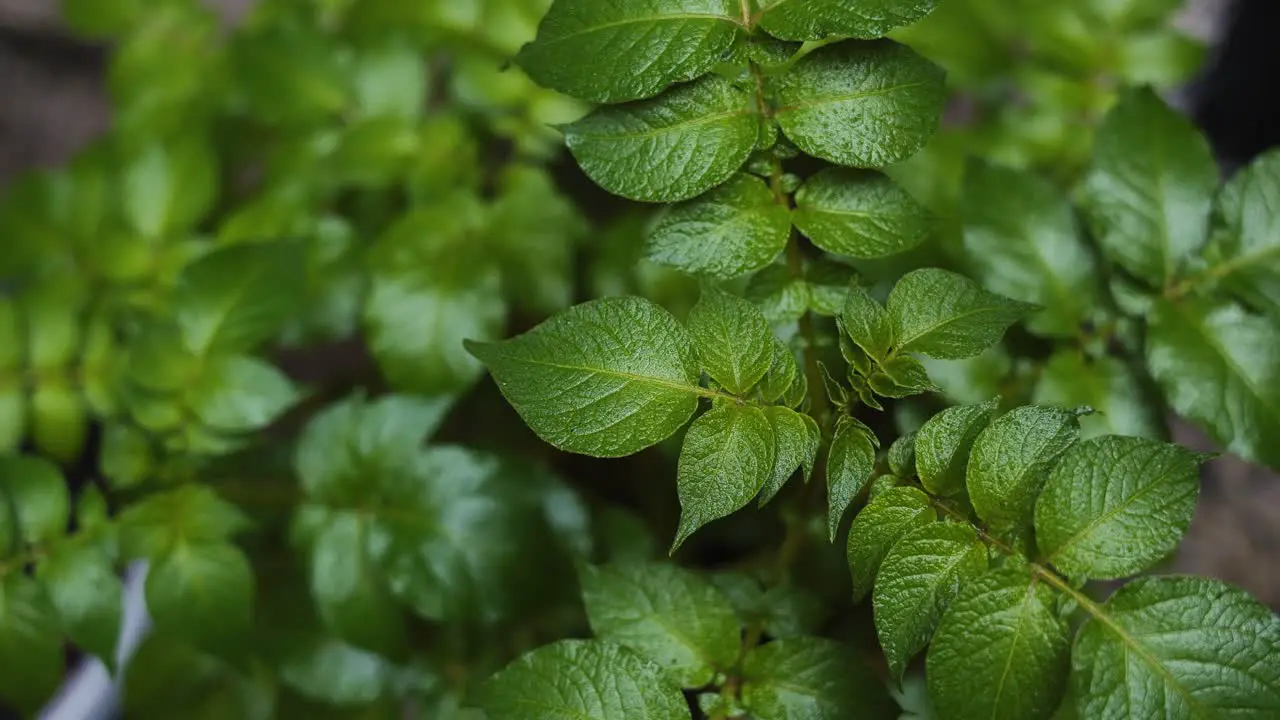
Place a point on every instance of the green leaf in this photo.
(1114, 506)
(728, 456)
(168, 188)
(83, 585)
(1177, 647)
(812, 678)
(948, 316)
(166, 673)
(1011, 460)
(30, 644)
(202, 592)
(921, 575)
(614, 52)
(582, 679)
(607, 378)
(735, 229)
(674, 147)
(1220, 368)
(797, 440)
(233, 299)
(866, 322)
(944, 442)
(391, 80)
(537, 229)
(1148, 194)
(149, 529)
(665, 614)
(851, 462)
(39, 496)
(782, 373)
(1246, 248)
(240, 394)
(902, 456)
(348, 588)
(1001, 650)
(1021, 237)
(900, 377)
(860, 214)
(820, 19)
(886, 519)
(732, 338)
(433, 286)
(1125, 404)
(863, 105)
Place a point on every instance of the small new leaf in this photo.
(728, 456)
(1011, 460)
(1001, 650)
(582, 679)
(607, 378)
(735, 229)
(609, 52)
(864, 105)
(673, 147)
(948, 316)
(944, 442)
(733, 339)
(1114, 506)
(665, 614)
(918, 579)
(851, 462)
(890, 516)
(860, 214)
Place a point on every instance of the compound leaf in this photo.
(948, 316)
(1011, 461)
(918, 579)
(728, 456)
(865, 105)
(607, 378)
(1113, 506)
(735, 229)
(883, 522)
(860, 213)
(609, 52)
(1001, 650)
(582, 679)
(665, 614)
(1178, 647)
(673, 147)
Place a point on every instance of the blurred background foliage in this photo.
(233, 320)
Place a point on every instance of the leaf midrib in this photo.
(904, 343)
(632, 377)
(654, 132)
(831, 100)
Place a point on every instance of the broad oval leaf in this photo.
(727, 457)
(1021, 239)
(1220, 368)
(41, 503)
(796, 438)
(860, 104)
(670, 148)
(1114, 506)
(1178, 647)
(203, 593)
(883, 522)
(1246, 248)
(851, 462)
(861, 214)
(819, 19)
(582, 679)
(607, 378)
(733, 339)
(948, 316)
(617, 50)
(1011, 461)
(30, 644)
(812, 678)
(735, 229)
(1126, 402)
(866, 322)
(665, 614)
(83, 585)
(1149, 191)
(1001, 650)
(918, 579)
(944, 442)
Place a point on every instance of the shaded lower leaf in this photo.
(851, 462)
(30, 644)
(811, 678)
(582, 679)
(1001, 650)
(166, 673)
(796, 437)
(921, 575)
(728, 455)
(83, 585)
(203, 593)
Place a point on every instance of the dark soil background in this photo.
(54, 101)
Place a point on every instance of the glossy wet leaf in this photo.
(860, 214)
(948, 316)
(851, 462)
(728, 456)
(810, 677)
(1011, 461)
(733, 339)
(819, 19)
(886, 519)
